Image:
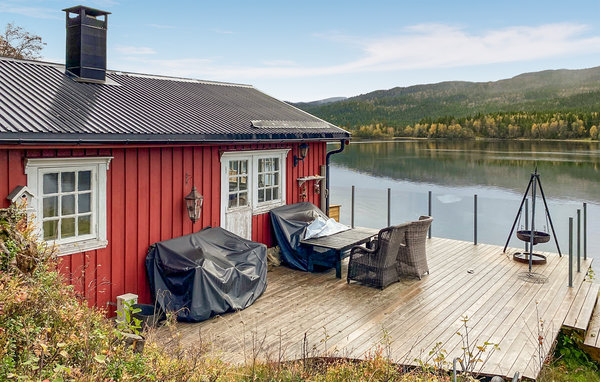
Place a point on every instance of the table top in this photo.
(343, 240)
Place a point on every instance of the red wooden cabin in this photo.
(109, 157)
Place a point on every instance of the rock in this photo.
(134, 340)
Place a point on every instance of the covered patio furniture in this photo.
(378, 266)
(206, 273)
(289, 224)
(412, 259)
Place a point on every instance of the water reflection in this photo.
(498, 171)
(569, 169)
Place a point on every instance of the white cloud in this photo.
(221, 31)
(418, 47)
(279, 63)
(135, 50)
(35, 12)
(161, 26)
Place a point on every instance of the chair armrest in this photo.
(360, 248)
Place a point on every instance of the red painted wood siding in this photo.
(145, 190)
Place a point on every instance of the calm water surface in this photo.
(498, 172)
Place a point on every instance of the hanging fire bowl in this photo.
(538, 237)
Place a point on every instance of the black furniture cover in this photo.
(206, 273)
(289, 223)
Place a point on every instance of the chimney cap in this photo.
(88, 11)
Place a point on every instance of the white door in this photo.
(236, 190)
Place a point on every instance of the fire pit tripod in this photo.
(532, 236)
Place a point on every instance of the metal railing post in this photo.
(454, 367)
(578, 240)
(585, 231)
(475, 219)
(389, 207)
(429, 213)
(352, 210)
(526, 223)
(570, 252)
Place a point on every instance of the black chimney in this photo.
(86, 43)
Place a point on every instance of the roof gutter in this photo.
(329, 154)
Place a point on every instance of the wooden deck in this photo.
(408, 318)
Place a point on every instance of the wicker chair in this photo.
(378, 266)
(412, 260)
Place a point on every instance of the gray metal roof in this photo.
(40, 103)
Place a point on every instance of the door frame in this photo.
(252, 156)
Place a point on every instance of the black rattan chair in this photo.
(378, 266)
(412, 259)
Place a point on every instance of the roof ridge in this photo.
(133, 74)
(175, 78)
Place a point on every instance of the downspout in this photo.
(330, 153)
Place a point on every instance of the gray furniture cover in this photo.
(289, 225)
(206, 273)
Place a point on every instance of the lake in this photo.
(497, 171)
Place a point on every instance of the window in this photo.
(254, 179)
(70, 201)
(269, 189)
(238, 183)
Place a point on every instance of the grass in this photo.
(570, 363)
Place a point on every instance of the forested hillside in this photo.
(550, 104)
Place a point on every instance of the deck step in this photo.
(580, 312)
(592, 337)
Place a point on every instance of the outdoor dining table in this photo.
(340, 242)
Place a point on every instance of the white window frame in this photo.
(253, 157)
(35, 168)
(262, 207)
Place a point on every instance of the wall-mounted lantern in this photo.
(303, 152)
(193, 204)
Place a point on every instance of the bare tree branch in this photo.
(16, 42)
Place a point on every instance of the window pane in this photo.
(50, 229)
(84, 182)
(84, 203)
(50, 183)
(233, 183)
(269, 165)
(233, 199)
(50, 206)
(276, 164)
(275, 193)
(244, 183)
(67, 182)
(68, 205)
(243, 199)
(234, 166)
(261, 180)
(276, 179)
(261, 165)
(67, 227)
(268, 194)
(85, 226)
(261, 195)
(244, 167)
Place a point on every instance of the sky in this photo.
(309, 50)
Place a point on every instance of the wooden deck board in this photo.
(592, 337)
(477, 281)
(580, 312)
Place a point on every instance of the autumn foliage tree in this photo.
(16, 42)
